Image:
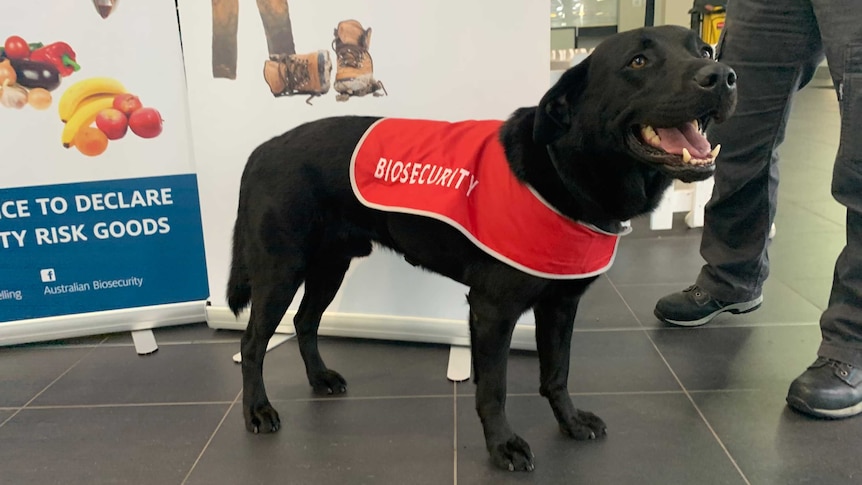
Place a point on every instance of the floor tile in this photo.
(396, 441)
(814, 153)
(814, 290)
(600, 362)
(25, 371)
(371, 368)
(774, 445)
(805, 255)
(713, 358)
(179, 373)
(119, 445)
(804, 184)
(831, 210)
(602, 307)
(661, 261)
(793, 218)
(652, 439)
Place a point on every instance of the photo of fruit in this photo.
(103, 101)
(69, 60)
(30, 71)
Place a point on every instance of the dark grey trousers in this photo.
(775, 47)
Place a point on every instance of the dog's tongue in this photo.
(673, 140)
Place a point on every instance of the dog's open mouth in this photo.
(683, 146)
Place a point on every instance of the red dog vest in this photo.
(457, 173)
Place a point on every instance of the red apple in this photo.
(113, 123)
(127, 103)
(146, 123)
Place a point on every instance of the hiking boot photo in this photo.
(289, 75)
(693, 307)
(354, 75)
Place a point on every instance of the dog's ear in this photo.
(553, 113)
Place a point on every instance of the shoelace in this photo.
(349, 55)
(297, 72)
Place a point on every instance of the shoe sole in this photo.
(800, 405)
(734, 308)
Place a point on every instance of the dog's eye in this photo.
(638, 62)
(706, 52)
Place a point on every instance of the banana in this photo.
(85, 115)
(81, 90)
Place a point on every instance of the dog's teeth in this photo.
(686, 157)
(650, 136)
(695, 124)
(714, 152)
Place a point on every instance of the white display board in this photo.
(95, 236)
(437, 60)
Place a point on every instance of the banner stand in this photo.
(97, 323)
(145, 341)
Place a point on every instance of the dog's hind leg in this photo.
(321, 284)
(555, 319)
(270, 299)
(491, 324)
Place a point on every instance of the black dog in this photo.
(602, 146)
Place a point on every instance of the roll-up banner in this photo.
(258, 69)
(100, 225)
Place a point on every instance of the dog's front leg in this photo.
(555, 318)
(491, 327)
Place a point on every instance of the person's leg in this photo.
(225, 21)
(774, 47)
(832, 386)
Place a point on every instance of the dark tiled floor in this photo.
(683, 406)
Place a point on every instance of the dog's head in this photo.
(645, 95)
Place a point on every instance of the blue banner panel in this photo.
(93, 246)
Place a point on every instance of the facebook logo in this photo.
(48, 275)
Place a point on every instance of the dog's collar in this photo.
(610, 226)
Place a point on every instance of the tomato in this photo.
(16, 48)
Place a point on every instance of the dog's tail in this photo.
(238, 284)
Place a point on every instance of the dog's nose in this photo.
(716, 77)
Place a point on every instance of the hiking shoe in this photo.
(827, 389)
(288, 75)
(354, 74)
(693, 306)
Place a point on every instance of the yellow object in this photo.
(85, 115)
(81, 90)
(711, 28)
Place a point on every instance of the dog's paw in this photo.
(513, 455)
(329, 382)
(584, 426)
(262, 419)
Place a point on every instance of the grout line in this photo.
(129, 405)
(49, 385)
(735, 325)
(362, 398)
(207, 444)
(684, 390)
(50, 407)
(455, 432)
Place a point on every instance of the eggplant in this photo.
(32, 74)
